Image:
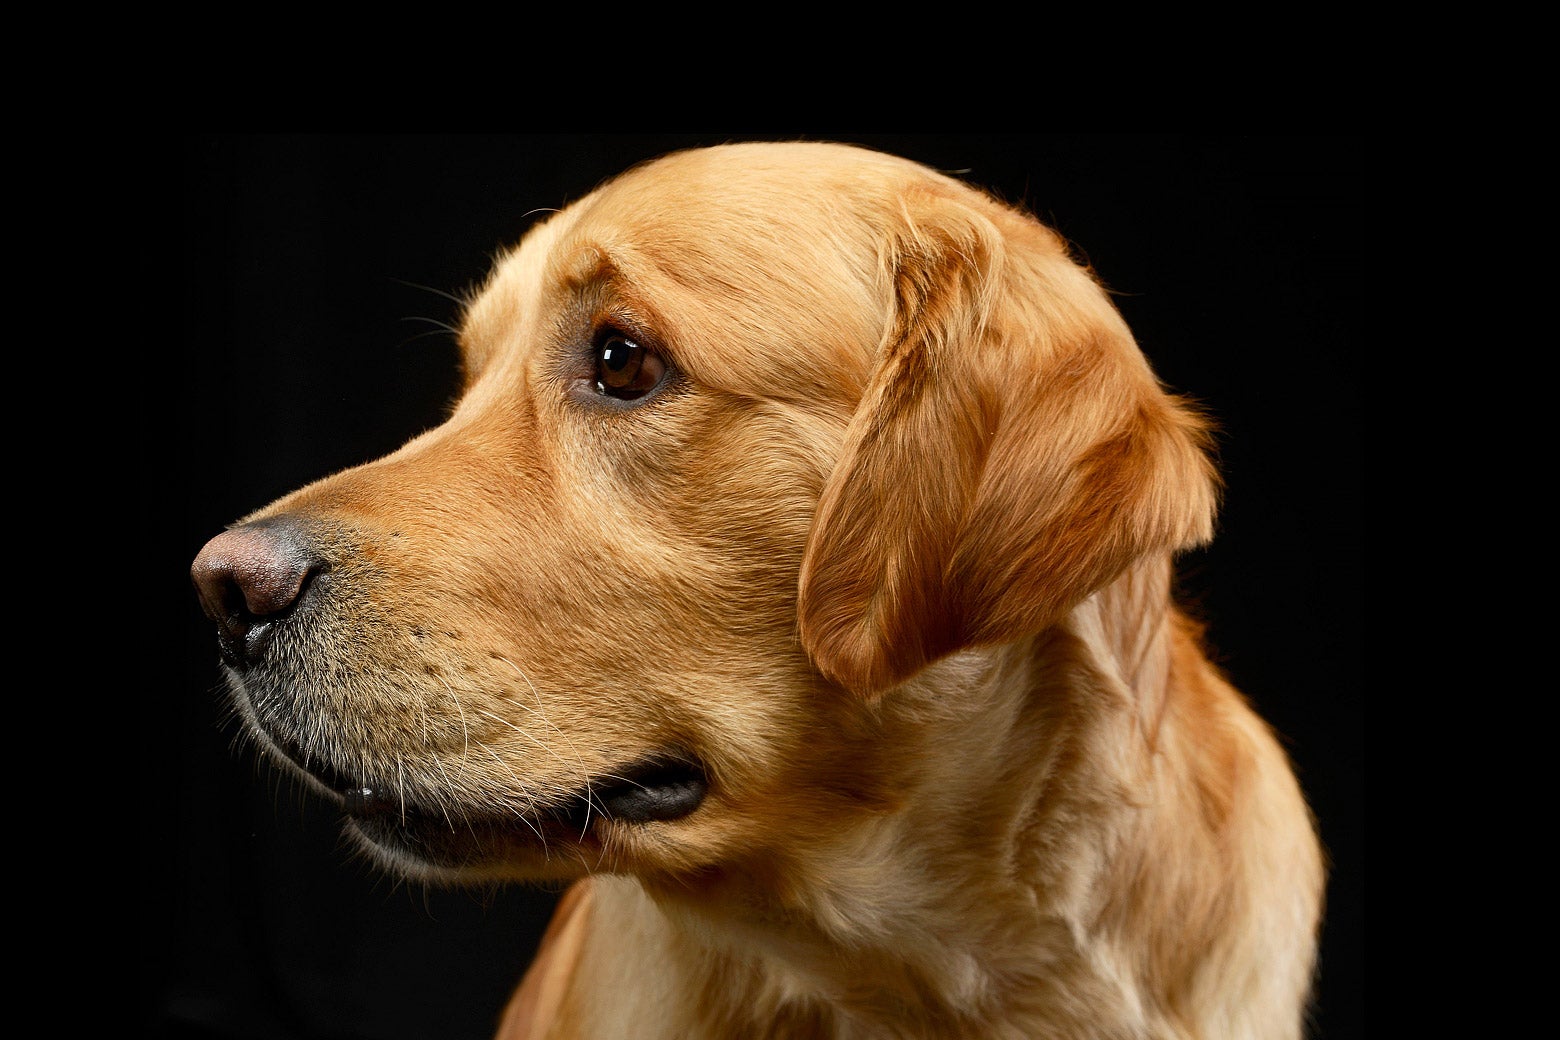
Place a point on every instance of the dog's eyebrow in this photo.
(603, 279)
(585, 265)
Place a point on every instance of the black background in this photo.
(309, 277)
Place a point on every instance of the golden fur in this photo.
(887, 554)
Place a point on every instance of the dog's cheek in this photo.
(699, 503)
(691, 530)
(708, 528)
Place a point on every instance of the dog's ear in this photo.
(1011, 454)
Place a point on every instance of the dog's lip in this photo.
(659, 787)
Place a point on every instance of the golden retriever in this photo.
(793, 575)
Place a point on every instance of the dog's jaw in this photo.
(397, 824)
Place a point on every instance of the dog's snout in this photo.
(248, 578)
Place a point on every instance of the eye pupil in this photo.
(617, 355)
(626, 370)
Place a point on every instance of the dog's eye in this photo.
(626, 370)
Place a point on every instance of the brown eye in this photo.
(626, 370)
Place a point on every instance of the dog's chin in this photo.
(469, 850)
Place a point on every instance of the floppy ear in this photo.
(1011, 454)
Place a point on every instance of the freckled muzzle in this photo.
(256, 580)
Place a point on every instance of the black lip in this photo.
(660, 788)
(322, 773)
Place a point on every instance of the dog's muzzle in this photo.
(250, 580)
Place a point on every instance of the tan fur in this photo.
(891, 556)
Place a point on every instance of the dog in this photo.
(792, 580)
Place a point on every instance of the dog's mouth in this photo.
(662, 787)
(658, 788)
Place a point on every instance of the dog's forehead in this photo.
(748, 262)
(711, 190)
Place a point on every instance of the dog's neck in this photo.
(843, 934)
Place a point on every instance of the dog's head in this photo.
(749, 437)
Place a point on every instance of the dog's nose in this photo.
(248, 578)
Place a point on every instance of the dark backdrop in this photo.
(309, 281)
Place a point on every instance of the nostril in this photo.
(250, 576)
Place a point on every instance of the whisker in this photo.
(450, 785)
(505, 722)
(441, 326)
(548, 749)
(428, 288)
(579, 761)
(465, 730)
(425, 335)
(400, 785)
(546, 853)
